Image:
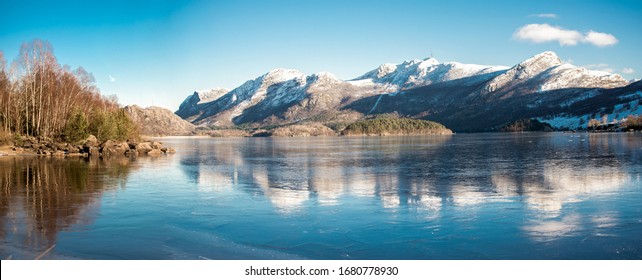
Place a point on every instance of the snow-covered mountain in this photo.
(282, 92)
(453, 93)
(193, 104)
(414, 73)
(546, 71)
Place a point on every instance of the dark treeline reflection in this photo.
(545, 170)
(43, 196)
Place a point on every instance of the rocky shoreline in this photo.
(90, 147)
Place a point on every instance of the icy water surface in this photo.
(476, 196)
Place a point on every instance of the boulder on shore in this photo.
(111, 148)
(91, 141)
(132, 149)
(89, 148)
(143, 148)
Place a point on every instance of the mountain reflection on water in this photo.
(478, 196)
(545, 172)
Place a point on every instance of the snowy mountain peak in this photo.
(208, 95)
(323, 76)
(429, 61)
(419, 63)
(547, 71)
(282, 74)
(407, 68)
(541, 61)
(424, 87)
(532, 66)
(418, 72)
(547, 54)
(385, 69)
(194, 103)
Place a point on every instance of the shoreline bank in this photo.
(89, 148)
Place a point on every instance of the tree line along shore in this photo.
(50, 109)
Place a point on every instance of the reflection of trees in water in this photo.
(42, 196)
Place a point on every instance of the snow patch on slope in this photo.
(567, 76)
(276, 82)
(417, 72)
(619, 114)
(548, 72)
(523, 71)
(209, 95)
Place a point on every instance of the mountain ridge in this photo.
(426, 89)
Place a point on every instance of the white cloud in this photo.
(600, 39)
(112, 79)
(549, 15)
(543, 33)
(628, 71)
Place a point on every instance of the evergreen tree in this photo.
(77, 127)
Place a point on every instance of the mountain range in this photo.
(464, 97)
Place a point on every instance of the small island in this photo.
(395, 126)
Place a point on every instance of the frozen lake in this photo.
(465, 196)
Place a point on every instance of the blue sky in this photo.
(158, 52)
